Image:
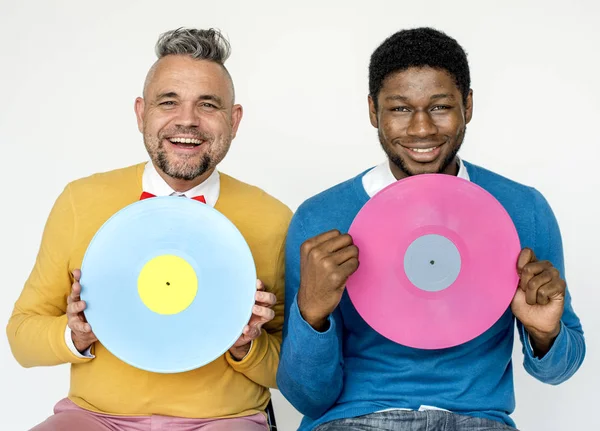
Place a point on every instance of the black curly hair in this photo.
(419, 47)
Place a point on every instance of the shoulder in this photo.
(341, 194)
(507, 190)
(251, 199)
(496, 183)
(104, 181)
(526, 205)
(333, 208)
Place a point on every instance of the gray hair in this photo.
(199, 44)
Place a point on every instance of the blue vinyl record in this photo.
(169, 284)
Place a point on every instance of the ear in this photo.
(236, 117)
(373, 113)
(469, 107)
(139, 113)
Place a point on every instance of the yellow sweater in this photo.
(223, 388)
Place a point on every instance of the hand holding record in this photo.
(81, 331)
(261, 314)
(326, 262)
(539, 301)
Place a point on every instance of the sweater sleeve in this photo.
(310, 373)
(261, 362)
(36, 328)
(568, 351)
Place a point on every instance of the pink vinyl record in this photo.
(438, 258)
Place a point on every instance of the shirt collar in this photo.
(381, 176)
(153, 183)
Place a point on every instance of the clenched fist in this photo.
(326, 262)
(540, 300)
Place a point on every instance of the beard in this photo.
(403, 166)
(185, 170)
(184, 167)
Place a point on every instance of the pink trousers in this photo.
(70, 417)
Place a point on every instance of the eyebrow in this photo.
(173, 95)
(397, 97)
(169, 94)
(442, 96)
(434, 97)
(212, 97)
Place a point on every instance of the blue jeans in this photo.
(401, 420)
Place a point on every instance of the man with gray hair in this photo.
(188, 118)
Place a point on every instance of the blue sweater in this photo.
(350, 370)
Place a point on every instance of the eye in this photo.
(167, 103)
(401, 109)
(440, 107)
(207, 105)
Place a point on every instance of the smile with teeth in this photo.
(186, 141)
(423, 150)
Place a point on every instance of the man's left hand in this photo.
(261, 314)
(539, 301)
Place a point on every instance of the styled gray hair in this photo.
(197, 43)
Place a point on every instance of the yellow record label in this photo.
(167, 284)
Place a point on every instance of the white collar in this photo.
(153, 183)
(381, 176)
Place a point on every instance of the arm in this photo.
(567, 350)
(310, 373)
(262, 359)
(38, 326)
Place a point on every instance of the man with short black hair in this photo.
(343, 375)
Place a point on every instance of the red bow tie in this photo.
(146, 195)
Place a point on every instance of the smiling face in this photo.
(421, 121)
(188, 118)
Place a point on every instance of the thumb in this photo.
(526, 256)
(518, 300)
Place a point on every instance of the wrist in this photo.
(319, 324)
(240, 352)
(316, 320)
(82, 348)
(542, 341)
(79, 345)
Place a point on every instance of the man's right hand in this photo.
(81, 331)
(326, 262)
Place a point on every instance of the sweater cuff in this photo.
(59, 345)
(301, 334)
(258, 350)
(555, 355)
(87, 353)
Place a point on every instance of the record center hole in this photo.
(431, 262)
(168, 284)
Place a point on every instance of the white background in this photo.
(70, 70)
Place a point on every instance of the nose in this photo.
(421, 125)
(188, 115)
